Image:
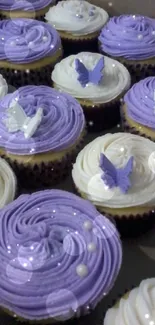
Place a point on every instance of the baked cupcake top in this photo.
(24, 4)
(36, 119)
(3, 87)
(117, 171)
(91, 76)
(7, 183)
(76, 17)
(140, 102)
(137, 307)
(27, 40)
(58, 254)
(129, 36)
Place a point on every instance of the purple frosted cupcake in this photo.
(138, 110)
(29, 50)
(131, 39)
(25, 8)
(41, 132)
(59, 257)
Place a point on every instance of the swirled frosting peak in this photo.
(137, 307)
(140, 102)
(57, 254)
(76, 17)
(26, 5)
(7, 183)
(95, 78)
(61, 124)
(27, 40)
(129, 36)
(133, 158)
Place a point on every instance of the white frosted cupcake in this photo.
(3, 87)
(135, 307)
(7, 183)
(116, 172)
(97, 82)
(79, 24)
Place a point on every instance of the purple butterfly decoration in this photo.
(85, 76)
(113, 176)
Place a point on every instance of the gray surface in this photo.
(138, 264)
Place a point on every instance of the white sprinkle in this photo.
(45, 38)
(74, 213)
(133, 16)
(54, 211)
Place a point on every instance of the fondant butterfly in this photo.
(85, 76)
(113, 176)
(17, 120)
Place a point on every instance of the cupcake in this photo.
(7, 184)
(63, 257)
(24, 9)
(131, 39)
(116, 172)
(78, 23)
(29, 50)
(137, 306)
(41, 131)
(138, 110)
(97, 82)
(3, 87)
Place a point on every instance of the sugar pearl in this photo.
(91, 247)
(87, 225)
(140, 36)
(82, 270)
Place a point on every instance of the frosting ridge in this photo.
(27, 40)
(118, 148)
(50, 242)
(116, 78)
(25, 5)
(61, 125)
(76, 17)
(129, 36)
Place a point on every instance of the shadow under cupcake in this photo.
(131, 40)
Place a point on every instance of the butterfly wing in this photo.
(123, 176)
(83, 73)
(96, 74)
(110, 172)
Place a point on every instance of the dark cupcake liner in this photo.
(128, 226)
(44, 174)
(133, 225)
(40, 18)
(102, 117)
(127, 128)
(72, 46)
(18, 78)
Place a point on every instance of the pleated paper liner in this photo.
(130, 222)
(36, 73)
(76, 44)
(139, 69)
(35, 14)
(101, 116)
(133, 127)
(46, 169)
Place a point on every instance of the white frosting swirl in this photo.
(116, 78)
(7, 183)
(77, 17)
(3, 87)
(118, 148)
(137, 309)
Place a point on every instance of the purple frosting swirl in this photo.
(140, 102)
(61, 125)
(26, 5)
(46, 239)
(129, 36)
(27, 40)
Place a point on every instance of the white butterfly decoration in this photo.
(17, 120)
